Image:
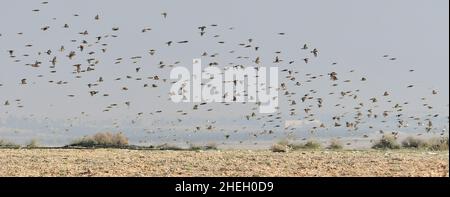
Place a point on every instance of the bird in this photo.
(53, 61)
(202, 28)
(305, 47)
(257, 60)
(77, 68)
(71, 55)
(315, 52)
(45, 28)
(146, 30)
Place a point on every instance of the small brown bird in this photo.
(257, 61)
(77, 67)
(71, 55)
(333, 76)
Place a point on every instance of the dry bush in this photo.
(168, 147)
(433, 144)
(438, 144)
(293, 146)
(33, 143)
(415, 143)
(285, 146)
(279, 148)
(8, 144)
(312, 144)
(335, 144)
(105, 139)
(387, 141)
(209, 146)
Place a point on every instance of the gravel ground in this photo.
(114, 162)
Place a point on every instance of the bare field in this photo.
(117, 162)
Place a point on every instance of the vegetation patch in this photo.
(285, 146)
(102, 140)
(387, 141)
(335, 144)
(8, 145)
(433, 144)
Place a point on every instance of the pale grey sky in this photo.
(354, 33)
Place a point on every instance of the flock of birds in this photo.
(353, 112)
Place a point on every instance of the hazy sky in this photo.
(354, 33)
